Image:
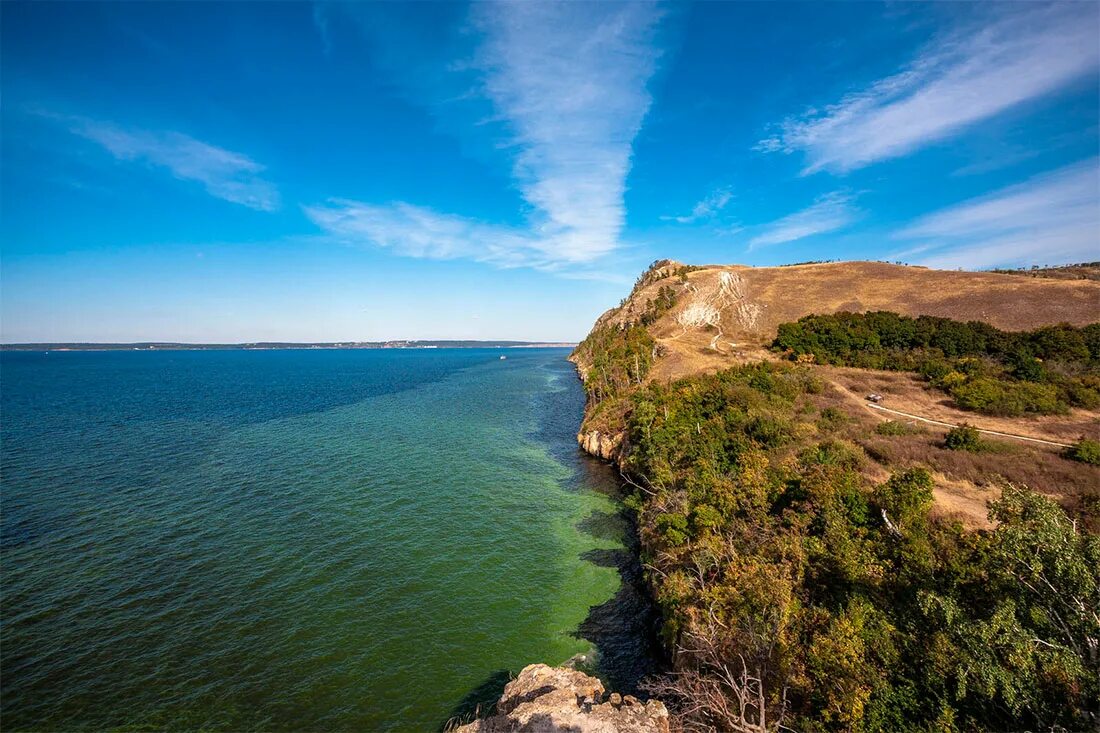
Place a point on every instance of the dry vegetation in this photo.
(725, 316)
(816, 561)
(1081, 271)
(785, 294)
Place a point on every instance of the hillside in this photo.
(866, 494)
(733, 309)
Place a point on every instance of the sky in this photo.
(208, 172)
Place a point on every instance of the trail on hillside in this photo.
(951, 425)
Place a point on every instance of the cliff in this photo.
(704, 319)
(825, 555)
(546, 699)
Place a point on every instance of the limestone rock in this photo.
(601, 445)
(546, 699)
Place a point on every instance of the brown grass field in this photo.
(727, 315)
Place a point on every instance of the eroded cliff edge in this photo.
(546, 699)
(685, 320)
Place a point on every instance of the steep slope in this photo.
(824, 565)
(722, 311)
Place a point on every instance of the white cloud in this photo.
(415, 231)
(706, 208)
(1025, 52)
(224, 174)
(828, 213)
(567, 82)
(1051, 218)
(570, 80)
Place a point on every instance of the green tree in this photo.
(964, 437)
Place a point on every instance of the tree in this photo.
(963, 437)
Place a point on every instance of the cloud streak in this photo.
(570, 80)
(567, 83)
(1051, 218)
(957, 81)
(223, 173)
(705, 209)
(416, 231)
(828, 213)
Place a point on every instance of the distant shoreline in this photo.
(280, 345)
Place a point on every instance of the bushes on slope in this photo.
(1045, 371)
(794, 592)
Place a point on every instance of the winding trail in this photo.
(950, 425)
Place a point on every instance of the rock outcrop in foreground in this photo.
(546, 699)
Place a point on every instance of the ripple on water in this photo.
(289, 540)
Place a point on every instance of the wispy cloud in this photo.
(705, 209)
(1024, 52)
(223, 173)
(567, 82)
(416, 231)
(570, 79)
(828, 213)
(1048, 219)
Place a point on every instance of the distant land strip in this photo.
(270, 345)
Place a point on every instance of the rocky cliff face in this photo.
(546, 699)
(601, 445)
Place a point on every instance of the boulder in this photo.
(546, 699)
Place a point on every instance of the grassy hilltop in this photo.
(826, 564)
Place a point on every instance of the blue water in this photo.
(288, 540)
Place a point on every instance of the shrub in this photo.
(1080, 395)
(831, 417)
(1010, 399)
(705, 517)
(768, 431)
(906, 497)
(964, 437)
(895, 427)
(618, 358)
(1085, 450)
(984, 369)
(673, 527)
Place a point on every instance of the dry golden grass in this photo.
(782, 294)
(964, 481)
(752, 302)
(910, 393)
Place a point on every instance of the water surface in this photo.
(337, 540)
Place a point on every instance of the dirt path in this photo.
(949, 425)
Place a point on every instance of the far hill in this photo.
(866, 494)
(687, 307)
(682, 321)
(274, 345)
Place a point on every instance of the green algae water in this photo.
(299, 540)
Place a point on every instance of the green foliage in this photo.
(831, 418)
(1045, 371)
(895, 427)
(657, 307)
(705, 517)
(616, 358)
(674, 527)
(906, 497)
(1009, 399)
(1030, 643)
(849, 606)
(964, 437)
(1085, 450)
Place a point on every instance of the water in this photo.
(323, 540)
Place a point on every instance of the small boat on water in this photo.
(502, 358)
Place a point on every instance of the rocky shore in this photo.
(546, 699)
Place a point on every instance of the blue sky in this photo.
(327, 171)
